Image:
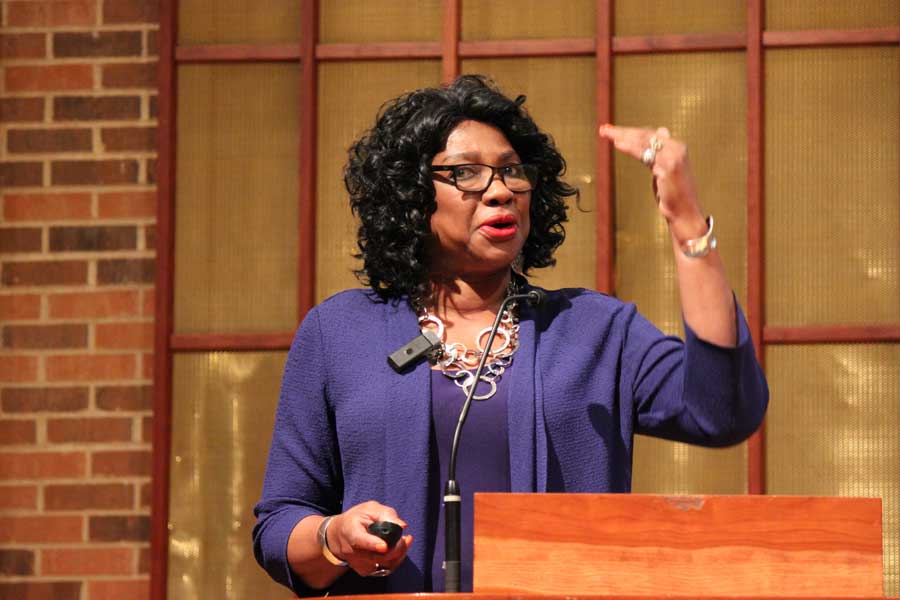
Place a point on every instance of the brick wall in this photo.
(77, 171)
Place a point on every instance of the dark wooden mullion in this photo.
(450, 32)
(831, 334)
(527, 48)
(605, 223)
(756, 445)
(376, 51)
(690, 42)
(531, 48)
(239, 342)
(306, 227)
(238, 53)
(831, 37)
(165, 262)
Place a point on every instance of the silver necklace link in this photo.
(457, 362)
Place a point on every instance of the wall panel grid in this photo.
(807, 204)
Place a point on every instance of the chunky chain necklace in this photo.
(458, 362)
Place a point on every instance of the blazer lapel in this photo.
(522, 415)
(407, 429)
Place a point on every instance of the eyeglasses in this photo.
(476, 177)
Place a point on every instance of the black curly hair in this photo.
(391, 190)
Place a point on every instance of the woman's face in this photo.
(477, 232)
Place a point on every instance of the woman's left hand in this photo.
(673, 182)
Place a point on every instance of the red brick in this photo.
(147, 429)
(42, 465)
(121, 463)
(68, 335)
(17, 369)
(87, 561)
(45, 272)
(40, 529)
(15, 307)
(120, 139)
(21, 110)
(154, 107)
(39, 590)
(150, 237)
(101, 108)
(48, 140)
(18, 497)
(88, 367)
(23, 45)
(46, 207)
(16, 562)
(130, 11)
(94, 304)
(49, 78)
(50, 399)
(124, 336)
(21, 174)
(119, 529)
(129, 75)
(93, 238)
(108, 496)
(88, 430)
(51, 13)
(125, 398)
(113, 205)
(17, 431)
(149, 303)
(20, 239)
(151, 170)
(97, 43)
(153, 42)
(93, 172)
(132, 589)
(147, 366)
(126, 270)
(146, 501)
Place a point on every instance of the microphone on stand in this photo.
(452, 494)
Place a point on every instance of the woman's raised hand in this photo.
(349, 539)
(673, 182)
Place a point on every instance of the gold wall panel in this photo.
(664, 467)
(832, 186)
(238, 21)
(350, 94)
(527, 19)
(658, 17)
(789, 15)
(359, 21)
(560, 95)
(701, 98)
(223, 411)
(833, 429)
(236, 198)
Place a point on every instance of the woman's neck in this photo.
(467, 295)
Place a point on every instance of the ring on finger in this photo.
(649, 155)
(380, 571)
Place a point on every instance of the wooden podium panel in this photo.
(649, 545)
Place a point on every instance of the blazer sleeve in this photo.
(303, 470)
(694, 391)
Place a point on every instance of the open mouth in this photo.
(500, 229)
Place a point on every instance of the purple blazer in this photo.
(590, 373)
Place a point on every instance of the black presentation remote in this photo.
(389, 532)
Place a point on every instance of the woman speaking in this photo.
(459, 196)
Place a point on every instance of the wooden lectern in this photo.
(650, 547)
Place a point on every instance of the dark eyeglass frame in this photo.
(530, 171)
